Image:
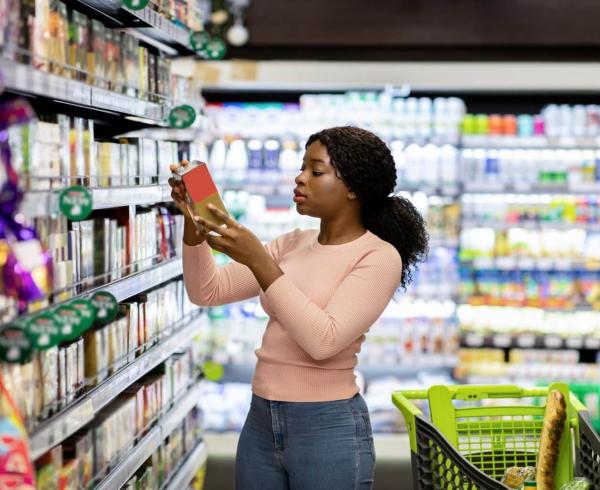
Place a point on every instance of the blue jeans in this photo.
(306, 446)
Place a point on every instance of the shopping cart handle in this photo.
(413, 394)
(480, 392)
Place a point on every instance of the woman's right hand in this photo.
(178, 190)
(193, 233)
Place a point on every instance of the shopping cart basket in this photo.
(471, 438)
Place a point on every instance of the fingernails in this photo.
(211, 207)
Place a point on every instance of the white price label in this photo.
(592, 343)
(574, 342)
(474, 340)
(526, 263)
(502, 340)
(506, 263)
(553, 341)
(544, 264)
(526, 341)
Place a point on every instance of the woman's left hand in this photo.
(235, 241)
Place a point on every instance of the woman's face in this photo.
(319, 191)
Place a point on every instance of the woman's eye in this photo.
(316, 174)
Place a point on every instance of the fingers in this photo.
(175, 166)
(228, 220)
(211, 226)
(215, 242)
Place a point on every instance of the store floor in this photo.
(392, 470)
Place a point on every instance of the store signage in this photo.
(44, 331)
(87, 311)
(71, 322)
(136, 4)
(106, 305)
(15, 345)
(182, 116)
(199, 41)
(75, 203)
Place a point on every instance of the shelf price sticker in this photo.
(199, 41)
(213, 371)
(87, 311)
(70, 320)
(44, 331)
(136, 4)
(216, 49)
(107, 306)
(15, 344)
(76, 203)
(182, 116)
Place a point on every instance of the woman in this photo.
(308, 428)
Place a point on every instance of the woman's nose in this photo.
(300, 179)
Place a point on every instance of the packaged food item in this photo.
(48, 373)
(576, 484)
(96, 355)
(62, 376)
(78, 44)
(515, 476)
(49, 467)
(41, 34)
(97, 69)
(142, 73)
(69, 475)
(552, 430)
(58, 41)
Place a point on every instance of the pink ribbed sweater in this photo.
(319, 309)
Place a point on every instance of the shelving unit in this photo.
(112, 113)
(73, 418)
(151, 441)
(42, 203)
(24, 79)
(186, 471)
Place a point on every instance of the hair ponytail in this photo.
(366, 165)
(399, 223)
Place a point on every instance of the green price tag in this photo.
(216, 49)
(75, 203)
(213, 371)
(182, 116)
(44, 331)
(107, 307)
(70, 321)
(15, 344)
(87, 311)
(136, 4)
(199, 41)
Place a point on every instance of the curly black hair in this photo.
(365, 164)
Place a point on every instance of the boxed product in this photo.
(78, 44)
(96, 355)
(69, 475)
(41, 34)
(48, 469)
(142, 73)
(48, 372)
(58, 40)
(152, 88)
(97, 69)
(80, 447)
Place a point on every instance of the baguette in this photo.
(552, 429)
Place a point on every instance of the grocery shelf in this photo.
(150, 442)
(541, 142)
(526, 264)
(148, 21)
(142, 281)
(529, 341)
(41, 203)
(448, 190)
(26, 79)
(184, 474)
(529, 225)
(83, 411)
(496, 187)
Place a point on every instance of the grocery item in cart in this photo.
(552, 430)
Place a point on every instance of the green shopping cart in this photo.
(476, 432)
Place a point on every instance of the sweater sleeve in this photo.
(356, 304)
(210, 285)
